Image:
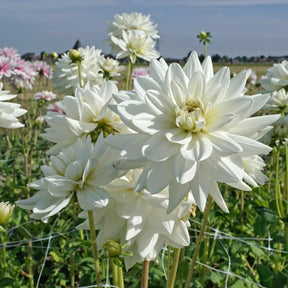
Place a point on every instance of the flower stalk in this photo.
(173, 272)
(199, 239)
(129, 75)
(145, 274)
(95, 250)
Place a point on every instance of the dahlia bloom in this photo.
(6, 67)
(192, 128)
(45, 95)
(135, 45)
(43, 69)
(278, 100)
(140, 71)
(23, 74)
(134, 21)
(66, 75)
(9, 111)
(56, 107)
(140, 219)
(110, 67)
(79, 170)
(86, 113)
(276, 77)
(9, 52)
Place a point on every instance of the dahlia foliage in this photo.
(139, 159)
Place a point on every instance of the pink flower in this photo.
(43, 69)
(141, 71)
(24, 74)
(5, 67)
(45, 95)
(9, 53)
(56, 107)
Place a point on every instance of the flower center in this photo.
(189, 116)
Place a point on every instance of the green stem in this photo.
(120, 277)
(145, 274)
(72, 269)
(172, 277)
(4, 264)
(205, 50)
(114, 273)
(95, 250)
(198, 243)
(79, 74)
(30, 264)
(278, 196)
(129, 75)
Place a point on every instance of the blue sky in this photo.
(238, 27)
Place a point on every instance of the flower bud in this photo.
(54, 55)
(203, 35)
(112, 248)
(6, 210)
(75, 56)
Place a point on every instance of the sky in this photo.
(238, 27)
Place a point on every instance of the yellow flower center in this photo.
(190, 116)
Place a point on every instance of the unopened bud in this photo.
(203, 35)
(54, 55)
(75, 56)
(112, 248)
(6, 210)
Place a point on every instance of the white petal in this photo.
(177, 193)
(184, 170)
(159, 149)
(198, 149)
(91, 197)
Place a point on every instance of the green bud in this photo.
(75, 56)
(54, 55)
(112, 248)
(6, 210)
(203, 35)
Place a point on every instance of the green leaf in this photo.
(258, 252)
(280, 280)
(56, 257)
(238, 284)
(6, 282)
(268, 214)
(260, 226)
(265, 274)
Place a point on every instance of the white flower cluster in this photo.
(94, 69)
(139, 159)
(133, 35)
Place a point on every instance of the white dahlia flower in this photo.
(192, 128)
(110, 67)
(66, 75)
(276, 77)
(80, 170)
(140, 219)
(278, 101)
(134, 21)
(9, 111)
(135, 45)
(86, 113)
